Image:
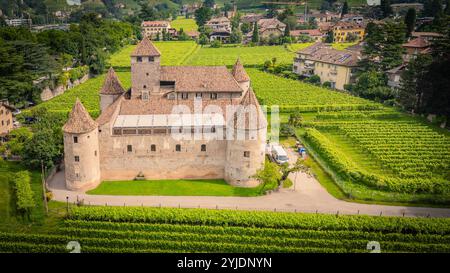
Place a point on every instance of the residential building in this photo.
(151, 29)
(175, 122)
(6, 119)
(219, 24)
(331, 65)
(314, 34)
(394, 76)
(19, 22)
(403, 7)
(353, 18)
(414, 47)
(268, 28)
(343, 32)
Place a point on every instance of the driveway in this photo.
(309, 196)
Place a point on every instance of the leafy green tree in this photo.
(41, 148)
(383, 46)
(372, 85)
(203, 15)
(236, 36)
(295, 119)
(409, 95)
(209, 3)
(203, 39)
(269, 175)
(410, 21)
(246, 27)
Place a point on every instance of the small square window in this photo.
(77, 158)
(129, 148)
(213, 96)
(247, 154)
(139, 59)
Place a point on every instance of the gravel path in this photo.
(308, 196)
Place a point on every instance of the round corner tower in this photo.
(245, 153)
(81, 150)
(111, 89)
(241, 76)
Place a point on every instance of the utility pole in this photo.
(44, 190)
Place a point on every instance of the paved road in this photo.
(309, 196)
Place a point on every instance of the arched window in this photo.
(203, 148)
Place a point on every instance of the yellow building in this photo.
(343, 31)
(331, 65)
(6, 118)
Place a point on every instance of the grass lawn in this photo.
(207, 187)
(185, 24)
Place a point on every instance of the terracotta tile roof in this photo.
(193, 33)
(249, 115)
(419, 42)
(79, 120)
(270, 23)
(322, 53)
(218, 20)
(112, 85)
(347, 25)
(239, 72)
(200, 78)
(309, 32)
(161, 105)
(145, 48)
(425, 34)
(107, 113)
(155, 24)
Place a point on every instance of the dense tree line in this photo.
(26, 56)
(425, 85)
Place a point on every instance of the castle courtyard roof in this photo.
(200, 78)
(112, 85)
(145, 48)
(239, 72)
(79, 120)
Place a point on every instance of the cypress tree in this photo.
(344, 9)
(255, 36)
(410, 21)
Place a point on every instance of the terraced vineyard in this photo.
(174, 53)
(292, 94)
(249, 55)
(384, 151)
(117, 229)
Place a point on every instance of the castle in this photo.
(182, 122)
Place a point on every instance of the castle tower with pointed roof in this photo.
(240, 75)
(145, 70)
(111, 89)
(81, 150)
(245, 153)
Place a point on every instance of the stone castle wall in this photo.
(85, 174)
